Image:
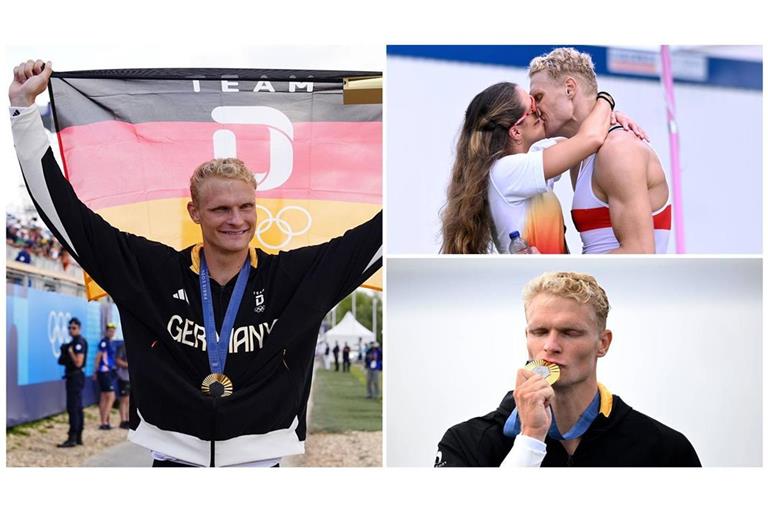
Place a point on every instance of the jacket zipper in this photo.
(284, 363)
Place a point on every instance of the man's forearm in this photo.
(21, 101)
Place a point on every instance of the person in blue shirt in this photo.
(104, 373)
(373, 364)
(23, 256)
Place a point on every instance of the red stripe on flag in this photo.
(64, 161)
(587, 219)
(113, 163)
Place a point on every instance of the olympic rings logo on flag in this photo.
(280, 140)
(283, 225)
(58, 332)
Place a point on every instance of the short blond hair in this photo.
(565, 61)
(582, 288)
(230, 168)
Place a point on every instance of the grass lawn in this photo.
(340, 404)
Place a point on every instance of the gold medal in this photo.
(217, 384)
(550, 371)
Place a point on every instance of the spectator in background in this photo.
(34, 240)
(10, 229)
(35, 237)
(360, 350)
(64, 258)
(345, 358)
(373, 365)
(23, 256)
(123, 383)
(104, 374)
(336, 356)
(55, 250)
(327, 356)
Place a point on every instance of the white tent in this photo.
(349, 330)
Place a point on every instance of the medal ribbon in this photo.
(581, 426)
(512, 426)
(217, 351)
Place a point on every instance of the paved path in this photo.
(123, 455)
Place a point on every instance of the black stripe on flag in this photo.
(130, 96)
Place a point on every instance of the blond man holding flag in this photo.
(220, 336)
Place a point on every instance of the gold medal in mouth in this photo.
(217, 384)
(550, 371)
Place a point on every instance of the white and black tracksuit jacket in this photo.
(156, 289)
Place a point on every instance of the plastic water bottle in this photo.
(517, 245)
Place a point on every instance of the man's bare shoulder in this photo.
(621, 165)
(623, 147)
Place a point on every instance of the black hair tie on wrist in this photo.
(602, 95)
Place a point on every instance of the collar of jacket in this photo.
(606, 402)
(195, 255)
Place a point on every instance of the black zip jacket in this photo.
(156, 289)
(624, 438)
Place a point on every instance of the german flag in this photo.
(130, 139)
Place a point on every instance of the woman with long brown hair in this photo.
(504, 172)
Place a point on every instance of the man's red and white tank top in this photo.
(593, 222)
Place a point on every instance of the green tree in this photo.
(363, 308)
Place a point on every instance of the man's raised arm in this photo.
(620, 172)
(110, 256)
